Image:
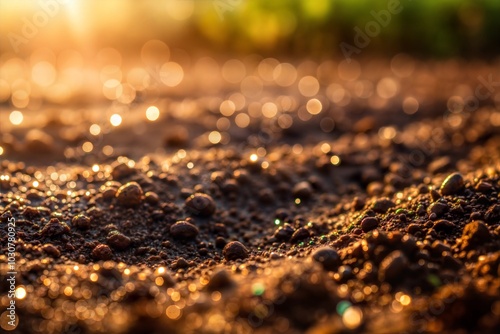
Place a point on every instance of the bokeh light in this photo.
(16, 117)
(152, 113)
(115, 120)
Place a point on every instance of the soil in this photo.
(379, 213)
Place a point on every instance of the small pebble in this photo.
(118, 241)
(302, 190)
(492, 215)
(439, 165)
(151, 198)
(54, 227)
(81, 221)
(184, 230)
(109, 193)
(375, 188)
(284, 233)
(31, 212)
(475, 234)
(392, 266)
(234, 251)
(220, 279)
(180, 263)
(121, 170)
(369, 223)
(200, 204)
(218, 177)
(51, 250)
(438, 209)
(438, 248)
(414, 228)
(452, 184)
(423, 189)
(130, 194)
(300, 234)
(327, 257)
(443, 225)
(435, 195)
(382, 205)
(275, 256)
(230, 187)
(484, 187)
(220, 242)
(358, 203)
(102, 252)
(345, 273)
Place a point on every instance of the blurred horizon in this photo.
(229, 28)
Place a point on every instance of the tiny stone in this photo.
(438, 209)
(369, 223)
(184, 230)
(151, 198)
(217, 177)
(414, 228)
(327, 257)
(375, 188)
(382, 205)
(284, 233)
(220, 242)
(235, 250)
(476, 216)
(358, 203)
(435, 195)
(423, 189)
(438, 248)
(345, 273)
(81, 221)
(484, 187)
(130, 194)
(241, 176)
(220, 279)
(275, 256)
(230, 186)
(452, 184)
(102, 252)
(200, 204)
(451, 262)
(180, 263)
(51, 250)
(121, 170)
(443, 225)
(118, 241)
(392, 266)
(300, 234)
(55, 227)
(492, 215)
(31, 212)
(474, 234)
(109, 193)
(439, 165)
(302, 190)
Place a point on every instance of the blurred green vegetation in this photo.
(427, 28)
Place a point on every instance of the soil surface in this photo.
(360, 199)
